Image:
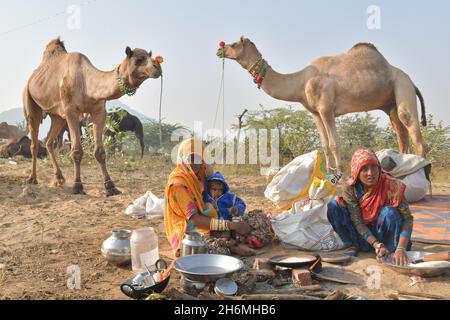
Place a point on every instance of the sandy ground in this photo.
(44, 230)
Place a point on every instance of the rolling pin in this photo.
(443, 256)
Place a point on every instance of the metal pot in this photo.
(117, 248)
(193, 244)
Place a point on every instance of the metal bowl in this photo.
(427, 269)
(207, 267)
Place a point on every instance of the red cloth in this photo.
(388, 191)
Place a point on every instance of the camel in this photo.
(359, 80)
(128, 123)
(65, 86)
(10, 133)
(21, 148)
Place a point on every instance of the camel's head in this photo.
(139, 66)
(244, 51)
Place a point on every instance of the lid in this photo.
(226, 287)
(124, 234)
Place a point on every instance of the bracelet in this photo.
(219, 225)
(401, 248)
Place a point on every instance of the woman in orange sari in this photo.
(373, 213)
(185, 209)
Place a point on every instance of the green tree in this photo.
(152, 135)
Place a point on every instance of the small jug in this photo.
(193, 244)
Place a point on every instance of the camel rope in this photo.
(221, 98)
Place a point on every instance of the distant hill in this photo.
(15, 116)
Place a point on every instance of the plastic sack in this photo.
(307, 229)
(292, 183)
(148, 206)
(400, 165)
(306, 225)
(417, 186)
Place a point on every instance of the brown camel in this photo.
(357, 81)
(11, 133)
(65, 86)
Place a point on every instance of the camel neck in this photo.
(287, 87)
(106, 87)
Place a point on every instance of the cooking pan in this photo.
(207, 267)
(426, 269)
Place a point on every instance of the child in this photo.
(217, 192)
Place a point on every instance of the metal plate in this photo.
(426, 269)
(207, 267)
(293, 261)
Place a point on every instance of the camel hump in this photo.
(55, 47)
(362, 45)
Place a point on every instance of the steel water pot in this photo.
(117, 248)
(193, 244)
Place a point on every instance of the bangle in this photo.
(219, 225)
(401, 249)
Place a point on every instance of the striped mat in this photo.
(432, 220)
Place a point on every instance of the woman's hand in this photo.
(381, 251)
(400, 258)
(241, 228)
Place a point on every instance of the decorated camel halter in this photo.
(124, 88)
(259, 71)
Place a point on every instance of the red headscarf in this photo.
(387, 192)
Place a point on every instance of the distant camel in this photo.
(21, 148)
(128, 123)
(357, 81)
(11, 133)
(65, 86)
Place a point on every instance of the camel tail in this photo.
(422, 102)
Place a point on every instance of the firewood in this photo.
(289, 290)
(336, 295)
(177, 295)
(268, 297)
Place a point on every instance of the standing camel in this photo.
(357, 81)
(127, 123)
(65, 86)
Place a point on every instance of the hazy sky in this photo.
(414, 35)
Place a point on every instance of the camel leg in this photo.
(98, 121)
(33, 115)
(323, 139)
(73, 121)
(57, 126)
(329, 122)
(400, 131)
(405, 95)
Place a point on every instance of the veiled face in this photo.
(197, 165)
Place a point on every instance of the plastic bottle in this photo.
(144, 249)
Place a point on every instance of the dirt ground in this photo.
(44, 230)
